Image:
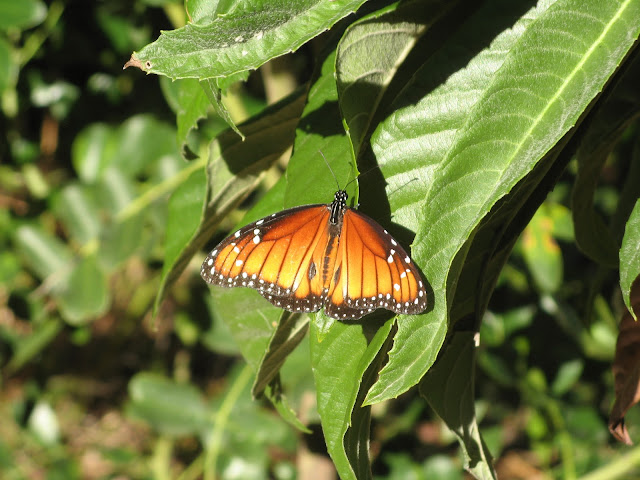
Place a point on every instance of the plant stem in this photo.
(220, 422)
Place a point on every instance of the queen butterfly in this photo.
(322, 255)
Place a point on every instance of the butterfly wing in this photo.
(281, 256)
(372, 271)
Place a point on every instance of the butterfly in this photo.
(322, 255)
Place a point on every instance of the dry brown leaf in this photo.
(626, 369)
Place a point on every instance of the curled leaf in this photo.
(626, 369)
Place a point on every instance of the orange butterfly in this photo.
(322, 255)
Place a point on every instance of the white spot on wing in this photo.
(256, 239)
(239, 263)
(396, 287)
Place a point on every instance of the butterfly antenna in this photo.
(330, 169)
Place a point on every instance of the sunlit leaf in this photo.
(243, 39)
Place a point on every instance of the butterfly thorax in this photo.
(338, 207)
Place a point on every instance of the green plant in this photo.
(483, 130)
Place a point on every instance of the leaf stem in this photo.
(220, 421)
(157, 191)
(34, 41)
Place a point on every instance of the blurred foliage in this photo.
(117, 360)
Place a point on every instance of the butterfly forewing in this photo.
(312, 256)
(273, 256)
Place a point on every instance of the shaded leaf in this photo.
(621, 107)
(213, 91)
(290, 331)
(368, 57)
(630, 258)
(449, 389)
(251, 319)
(189, 102)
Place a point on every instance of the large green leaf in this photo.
(339, 362)
(242, 39)
(630, 257)
(515, 115)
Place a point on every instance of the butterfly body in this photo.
(322, 255)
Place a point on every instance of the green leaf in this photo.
(22, 15)
(218, 337)
(449, 389)
(242, 39)
(76, 207)
(368, 57)
(291, 329)
(8, 67)
(213, 91)
(320, 140)
(251, 319)
(541, 252)
(43, 252)
(513, 116)
(190, 104)
(90, 152)
(138, 143)
(279, 401)
(26, 348)
(339, 362)
(568, 375)
(630, 257)
(235, 168)
(185, 214)
(169, 407)
(119, 241)
(202, 11)
(86, 294)
(621, 107)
